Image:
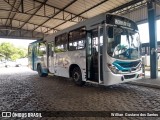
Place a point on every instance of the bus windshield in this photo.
(123, 43)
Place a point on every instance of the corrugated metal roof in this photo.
(49, 15)
(53, 23)
(21, 16)
(5, 5)
(59, 3)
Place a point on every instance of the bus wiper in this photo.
(128, 39)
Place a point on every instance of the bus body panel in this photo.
(63, 61)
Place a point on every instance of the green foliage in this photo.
(15, 57)
(11, 52)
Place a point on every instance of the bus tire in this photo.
(40, 73)
(77, 76)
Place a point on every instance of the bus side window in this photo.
(110, 32)
(29, 50)
(41, 49)
(77, 39)
(61, 43)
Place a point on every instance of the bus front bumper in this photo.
(110, 78)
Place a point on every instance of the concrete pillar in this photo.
(151, 5)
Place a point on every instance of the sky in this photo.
(143, 30)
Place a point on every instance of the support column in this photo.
(151, 5)
(22, 6)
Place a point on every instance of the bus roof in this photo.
(89, 23)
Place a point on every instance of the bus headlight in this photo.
(113, 68)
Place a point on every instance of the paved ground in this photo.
(22, 90)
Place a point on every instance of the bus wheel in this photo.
(77, 77)
(40, 73)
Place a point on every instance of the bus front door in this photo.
(94, 55)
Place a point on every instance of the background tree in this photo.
(12, 52)
(7, 49)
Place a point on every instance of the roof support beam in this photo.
(2, 32)
(15, 13)
(56, 13)
(34, 13)
(59, 9)
(22, 6)
(17, 7)
(29, 23)
(10, 5)
(18, 33)
(80, 14)
(131, 8)
(124, 5)
(10, 12)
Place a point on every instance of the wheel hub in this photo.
(76, 76)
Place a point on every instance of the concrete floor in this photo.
(21, 89)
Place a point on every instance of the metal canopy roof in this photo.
(36, 18)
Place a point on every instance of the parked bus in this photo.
(104, 49)
(145, 53)
(145, 48)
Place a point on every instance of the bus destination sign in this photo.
(123, 23)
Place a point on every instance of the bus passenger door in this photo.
(94, 55)
(34, 57)
(50, 58)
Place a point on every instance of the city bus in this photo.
(104, 49)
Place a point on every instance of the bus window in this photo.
(110, 32)
(143, 50)
(41, 49)
(30, 50)
(61, 43)
(77, 39)
(125, 44)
